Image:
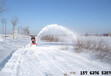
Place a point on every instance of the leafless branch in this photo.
(2, 9)
(14, 22)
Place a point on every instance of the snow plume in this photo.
(60, 33)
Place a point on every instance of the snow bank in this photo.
(1, 39)
(49, 61)
(63, 33)
(7, 45)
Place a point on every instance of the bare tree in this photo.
(2, 9)
(26, 31)
(18, 30)
(5, 27)
(21, 30)
(14, 22)
(3, 20)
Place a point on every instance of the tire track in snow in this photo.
(42, 64)
(56, 63)
(79, 62)
(33, 62)
(66, 59)
(88, 64)
(14, 63)
(44, 61)
(53, 63)
(3, 63)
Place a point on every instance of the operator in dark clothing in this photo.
(33, 40)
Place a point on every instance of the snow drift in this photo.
(57, 33)
(1, 39)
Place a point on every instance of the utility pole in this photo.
(5, 28)
(3, 20)
(18, 30)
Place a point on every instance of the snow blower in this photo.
(33, 41)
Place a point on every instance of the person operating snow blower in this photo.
(33, 41)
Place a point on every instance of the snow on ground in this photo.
(48, 60)
(7, 45)
(1, 39)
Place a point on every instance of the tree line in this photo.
(14, 22)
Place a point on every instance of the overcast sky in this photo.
(83, 16)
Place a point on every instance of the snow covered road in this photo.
(47, 61)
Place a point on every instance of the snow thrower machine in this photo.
(33, 40)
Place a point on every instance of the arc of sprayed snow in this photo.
(57, 29)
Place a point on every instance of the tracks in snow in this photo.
(45, 61)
